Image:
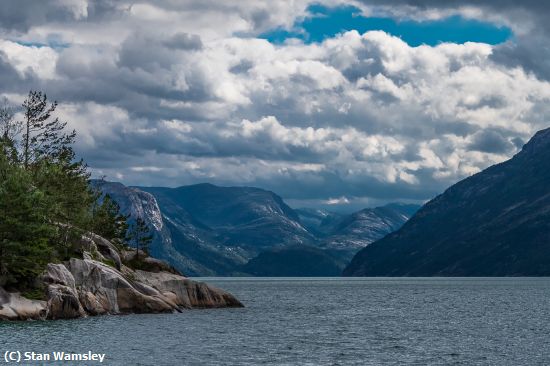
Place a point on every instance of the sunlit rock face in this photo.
(88, 286)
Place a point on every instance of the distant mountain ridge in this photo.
(243, 216)
(205, 230)
(494, 223)
(344, 235)
(368, 225)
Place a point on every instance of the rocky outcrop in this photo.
(150, 264)
(63, 302)
(87, 286)
(188, 293)
(101, 248)
(13, 306)
(107, 290)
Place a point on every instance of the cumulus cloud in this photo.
(527, 19)
(173, 93)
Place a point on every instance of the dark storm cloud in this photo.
(491, 142)
(8, 74)
(21, 15)
(184, 41)
(135, 76)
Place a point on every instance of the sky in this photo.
(333, 104)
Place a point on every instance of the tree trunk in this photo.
(26, 142)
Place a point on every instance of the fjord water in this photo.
(322, 321)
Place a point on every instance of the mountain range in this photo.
(494, 223)
(207, 230)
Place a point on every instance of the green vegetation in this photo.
(45, 198)
(138, 234)
(107, 220)
(37, 293)
(109, 262)
(141, 264)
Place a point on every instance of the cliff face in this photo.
(206, 230)
(178, 237)
(494, 223)
(247, 218)
(88, 286)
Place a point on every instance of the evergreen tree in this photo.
(26, 236)
(9, 129)
(69, 202)
(140, 236)
(46, 203)
(43, 135)
(107, 220)
(47, 152)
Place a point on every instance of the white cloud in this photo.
(357, 115)
(30, 59)
(337, 201)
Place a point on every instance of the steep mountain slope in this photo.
(177, 238)
(339, 237)
(319, 222)
(132, 201)
(361, 228)
(494, 223)
(246, 217)
(205, 230)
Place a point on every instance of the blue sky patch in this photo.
(327, 22)
(52, 44)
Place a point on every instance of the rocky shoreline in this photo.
(101, 283)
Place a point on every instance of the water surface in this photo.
(329, 321)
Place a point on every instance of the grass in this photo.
(109, 262)
(35, 294)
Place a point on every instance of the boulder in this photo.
(58, 274)
(63, 303)
(129, 255)
(189, 293)
(115, 293)
(63, 300)
(107, 249)
(13, 306)
(92, 304)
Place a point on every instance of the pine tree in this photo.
(46, 203)
(140, 236)
(107, 220)
(9, 130)
(43, 135)
(48, 154)
(26, 236)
